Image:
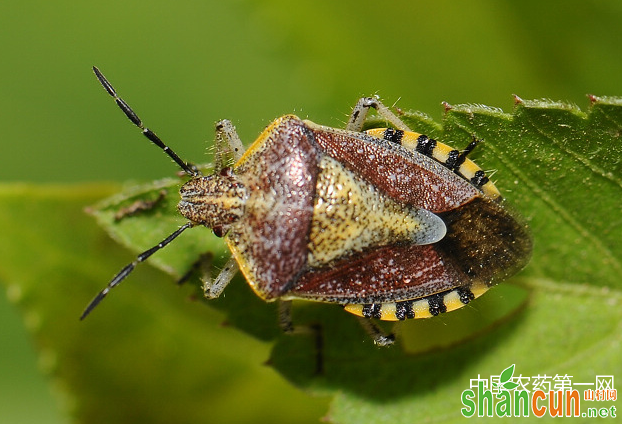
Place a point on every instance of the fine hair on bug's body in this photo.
(388, 223)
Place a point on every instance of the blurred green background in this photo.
(183, 65)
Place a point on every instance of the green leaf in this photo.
(509, 385)
(558, 166)
(150, 353)
(506, 374)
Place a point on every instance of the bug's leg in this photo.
(201, 266)
(285, 316)
(213, 288)
(229, 147)
(464, 153)
(380, 337)
(287, 325)
(361, 109)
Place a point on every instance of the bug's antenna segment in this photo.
(187, 168)
(130, 267)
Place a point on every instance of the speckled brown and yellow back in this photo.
(360, 220)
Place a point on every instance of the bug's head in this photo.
(216, 201)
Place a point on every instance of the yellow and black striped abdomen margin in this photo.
(442, 153)
(424, 307)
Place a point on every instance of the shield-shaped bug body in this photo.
(388, 223)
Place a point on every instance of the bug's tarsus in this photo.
(361, 109)
(380, 337)
(130, 267)
(188, 168)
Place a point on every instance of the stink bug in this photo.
(388, 223)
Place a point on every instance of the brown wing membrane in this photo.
(485, 241)
(389, 273)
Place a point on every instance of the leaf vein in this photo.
(579, 157)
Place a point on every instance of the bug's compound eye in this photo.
(219, 231)
(227, 172)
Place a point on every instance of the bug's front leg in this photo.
(229, 147)
(214, 288)
(361, 109)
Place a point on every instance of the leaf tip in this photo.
(89, 210)
(593, 99)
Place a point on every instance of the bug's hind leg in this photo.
(361, 109)
(287, 325)
(379, 337)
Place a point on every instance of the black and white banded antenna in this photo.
(130, 267)
(189, 169)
